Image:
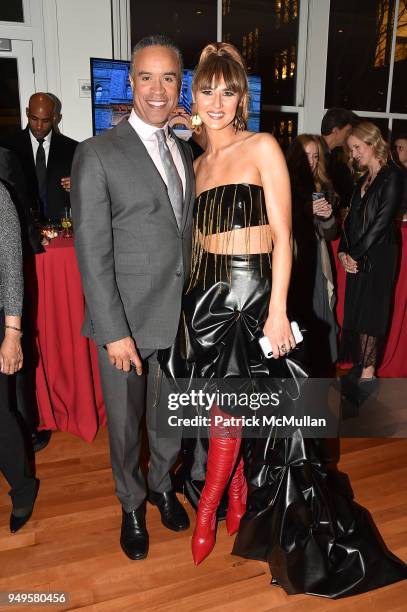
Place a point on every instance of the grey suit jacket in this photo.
(132, 256)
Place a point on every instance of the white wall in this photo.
(64, 35)
(83, 30)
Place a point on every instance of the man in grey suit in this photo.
(132, 196)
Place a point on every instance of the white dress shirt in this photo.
(147, 134)
(46, 144)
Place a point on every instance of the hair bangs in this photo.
(219, 69)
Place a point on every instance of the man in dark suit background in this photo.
(336, 126)
(46, 159)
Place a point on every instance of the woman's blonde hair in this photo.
(319, 174)
(370, 134)
(222, 61)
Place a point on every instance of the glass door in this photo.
(17, 83)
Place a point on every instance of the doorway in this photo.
(17, 83)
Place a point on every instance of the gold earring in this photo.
(196, 120)
(196, 123)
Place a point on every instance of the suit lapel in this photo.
(51, 155)
(29, 150)
(29, 161)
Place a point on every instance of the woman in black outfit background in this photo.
(368, 251)
(13, 460)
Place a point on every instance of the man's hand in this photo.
(123, 354)
(66, 183)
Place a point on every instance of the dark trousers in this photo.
(13, 459)
(23, 384)
(127, 397)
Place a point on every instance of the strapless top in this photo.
(228, 207)
(220, 211)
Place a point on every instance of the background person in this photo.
(336, 126)
(13, 459)
(400, 147)
(312, 293)
(368, 251)
(46, 159)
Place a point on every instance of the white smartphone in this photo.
(265, 343)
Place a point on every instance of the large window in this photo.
(267, 34)
(265, 31)
(12, 10)
(190, 23)
(359, 53)
(399, 127)
(399, 88)
(367, 59)
(283, 125)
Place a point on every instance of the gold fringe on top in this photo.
(212, 219)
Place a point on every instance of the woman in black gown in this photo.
(300, 516)
(369, 253)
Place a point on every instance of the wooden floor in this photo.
(71, 543)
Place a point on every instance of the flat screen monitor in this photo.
(112, 98)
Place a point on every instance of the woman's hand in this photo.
(11, 354)
(350, 265)
(278, 330)
(322, 208)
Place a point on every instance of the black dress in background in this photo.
(369, 237)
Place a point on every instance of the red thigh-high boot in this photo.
(222, 455)
(237, 499)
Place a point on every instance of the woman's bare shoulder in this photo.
(263, 140)
(264, 148)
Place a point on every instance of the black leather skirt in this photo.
(301, 517)
(223, 317)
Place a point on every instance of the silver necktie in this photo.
(174, 183)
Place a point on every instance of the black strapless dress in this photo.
(301, 517)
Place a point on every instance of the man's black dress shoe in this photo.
(173, 515)
(40, 439)
(134, 535)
